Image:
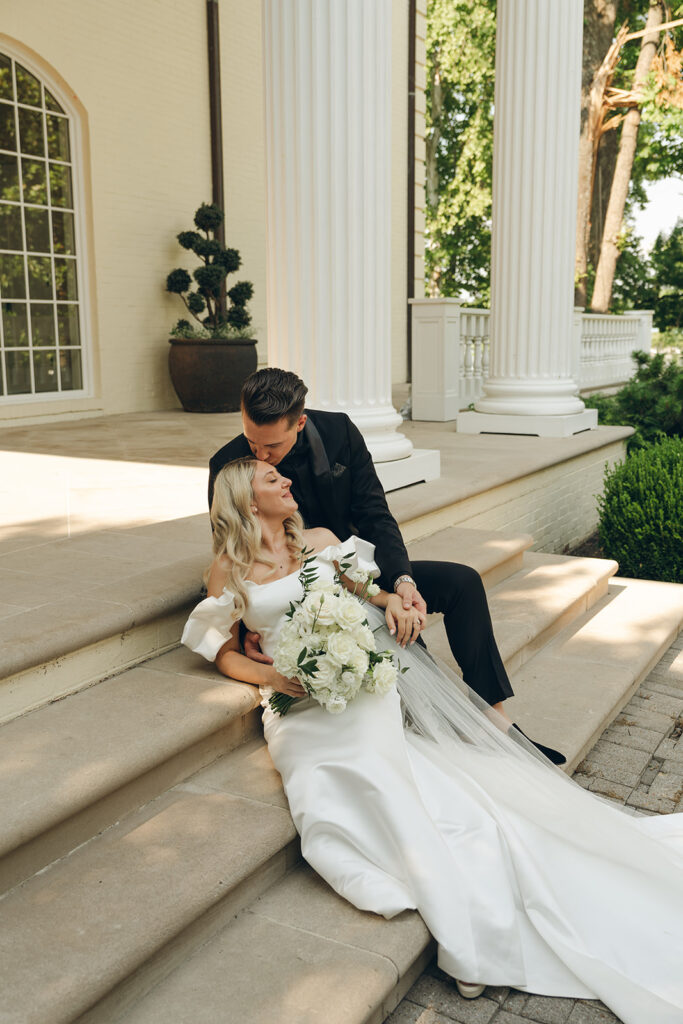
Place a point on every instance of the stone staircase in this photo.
(149, 865)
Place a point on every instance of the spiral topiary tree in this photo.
(205, 302)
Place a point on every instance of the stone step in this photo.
(92, 605)
(571, 691)
(494, 554)
(318, 960)
(113, 599)
(125, 908)
(533, 604)
(74, 767)
(71, 769)
(205, 851)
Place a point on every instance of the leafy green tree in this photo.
(460, 83)
(667, 269)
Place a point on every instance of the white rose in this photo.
(341, 647)
(348, 685)
(322, 586)
(320, 608)
(364, 637)
(372, 590)
(335, 705)
(325, 674)
(286, 655)
(359, 663)
(349, 613)
(384, 675)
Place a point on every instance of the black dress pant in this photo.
(457, 592)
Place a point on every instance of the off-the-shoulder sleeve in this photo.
(210, 625)
(360, 553)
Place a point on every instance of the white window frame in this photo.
(82, 257)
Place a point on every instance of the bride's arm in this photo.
(232, 663)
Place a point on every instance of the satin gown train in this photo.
(523, 878)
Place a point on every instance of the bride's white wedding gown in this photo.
(523, 878)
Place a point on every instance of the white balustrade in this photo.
(451, 354)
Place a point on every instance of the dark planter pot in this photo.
(208, 375)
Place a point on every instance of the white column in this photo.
(328, 124)
(531, 387)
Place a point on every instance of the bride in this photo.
(420, 799)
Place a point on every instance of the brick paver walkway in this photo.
(638, 762)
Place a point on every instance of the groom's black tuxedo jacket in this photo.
(335, 484)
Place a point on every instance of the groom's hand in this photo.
(411, 597)
(253, 650)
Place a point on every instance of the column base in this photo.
(539, 426)
(422, 465)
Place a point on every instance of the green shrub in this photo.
(652, 401)
(641, 513)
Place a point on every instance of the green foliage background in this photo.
(641, 513)
(461, 59)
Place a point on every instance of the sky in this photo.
(665, 206)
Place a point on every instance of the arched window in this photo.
(41, 348)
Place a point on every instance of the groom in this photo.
(335, 485)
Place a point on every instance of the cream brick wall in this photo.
(138, 69)
(557, 506)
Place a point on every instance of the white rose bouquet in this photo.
(327, 643)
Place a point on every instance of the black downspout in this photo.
(412, 26)
(216, 118)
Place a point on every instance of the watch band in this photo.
(403, 579)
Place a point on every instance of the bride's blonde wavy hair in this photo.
(237, 531)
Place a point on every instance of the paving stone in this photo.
(660, 702)
(610, 772)
(443, 997)
(649, 776)
(613, 790)
(582, 780)
(656, 721)
(548, 1011)
(515, 1002)
(673, 767)
(667, 786)
(663, 685)
(410, 1013)
(591, 1013)
(670, 749)
(505, 1017)
(608, 752)
(499, 994)
(634, 736)
(641, 798)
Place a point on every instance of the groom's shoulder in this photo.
(238, 448)
(330, 425)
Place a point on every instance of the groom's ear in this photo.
(301, 422)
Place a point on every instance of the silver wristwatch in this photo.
(403, 579)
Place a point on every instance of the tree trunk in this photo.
(609, 249)
(602, 186)
(599, 17)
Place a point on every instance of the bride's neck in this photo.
(273, 536)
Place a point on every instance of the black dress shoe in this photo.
(553, 755)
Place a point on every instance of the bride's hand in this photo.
(253, 650)
(405, 624)
(292, 687)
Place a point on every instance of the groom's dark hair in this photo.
(271, 393)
